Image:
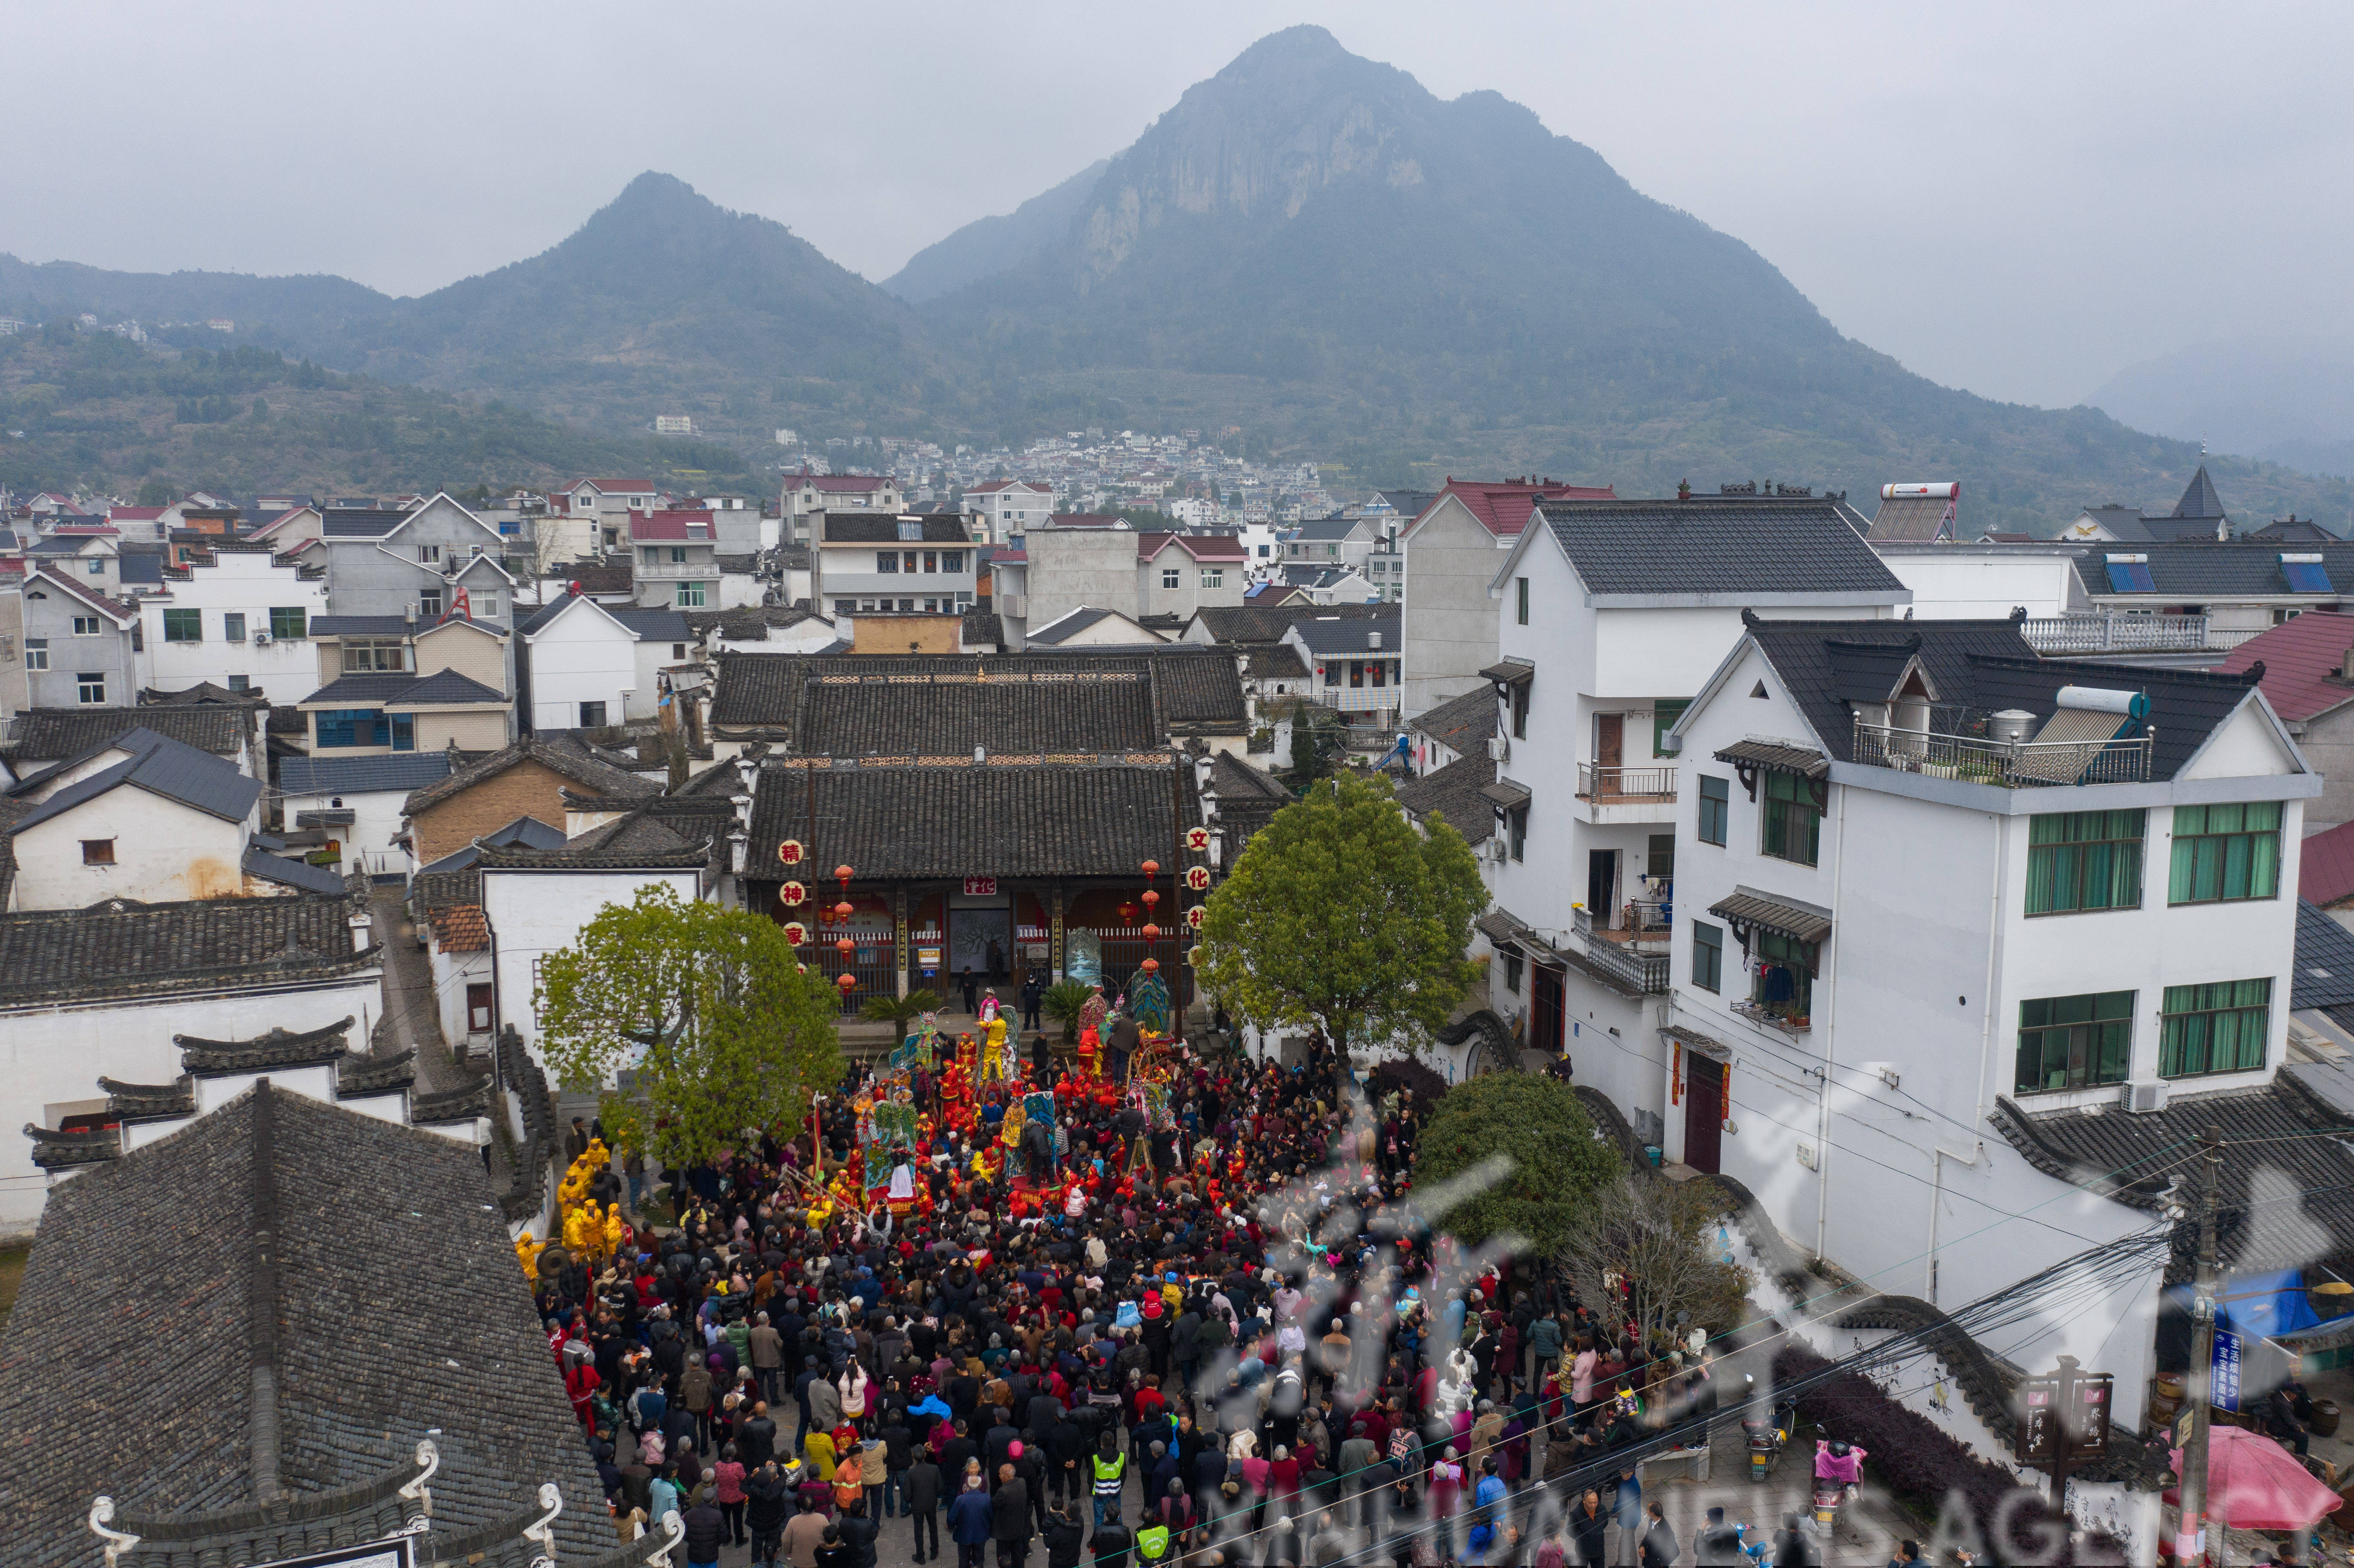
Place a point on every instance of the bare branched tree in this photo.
(1655, 1245)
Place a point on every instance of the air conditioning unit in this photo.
(1499, 749)
(2143, 1098)
(262, 640)
(1495, 848)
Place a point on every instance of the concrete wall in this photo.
(371, 577)
(1188, 594)
(53, 1057)
(472, 651)
(907, 634)
(1963, 582)
(1449, 624)
(1073, 567)
(2328, 743)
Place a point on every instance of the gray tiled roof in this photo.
(123, 947)
(1249, 623)
(2325, 961)
(252, 1241)
(446, 686)
(1197, 690)
(655, 625)
(568, 756)
(1069, 626)
(359, 522)
(882, 528)
(1732, 548)
(881, 718)
(1038, 821)
(1982, 664)
(2133, 1158)
(51, 734)
(164, 766)
(1352, 638)
(2195, 573)
(1453, 791)
(401, 771)
(1464, 722)
(299, 873)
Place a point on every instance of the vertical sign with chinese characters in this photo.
(2225, 1369)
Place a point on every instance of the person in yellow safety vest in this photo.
(1152, 1543)
(1110, 1475)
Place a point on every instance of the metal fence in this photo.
(873, 963)
(1979, 760)
(1125, 950)
(1596, 782)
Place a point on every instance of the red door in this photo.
(1703, 1111)
(1610, 748)
(1545, 1023)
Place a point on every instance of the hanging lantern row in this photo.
(848, 983)
(842, 874)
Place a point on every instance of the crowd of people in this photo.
(1210, 1329)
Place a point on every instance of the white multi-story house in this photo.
(1008, 506)
(1970, 945)
(883, 565)
(806, 493)
(1614, 613)
(238, 619)
(586, 666)
(675, 559)
(1353, 665)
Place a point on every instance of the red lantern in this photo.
(847, 982)
(1150, 898)
(1127, 913)
(842, 874)
(1151, 965)
(845, 946)
(1151, 868)
(842, 911)
(1151, 932)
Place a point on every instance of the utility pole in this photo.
(2191, 1528)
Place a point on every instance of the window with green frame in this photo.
(1793, 822)
(2084, 860)
(292, 623)
(2226, 851)
(2069, 1041)
(1664, 713)
(183, 626)
(1708, 955)
(2217, 1028)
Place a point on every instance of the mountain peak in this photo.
(654, 195)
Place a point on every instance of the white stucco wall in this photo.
(532, 914)
(1964, 582)
(582, 656)
(242, 582)
(376, 821)
(164, 853)
(55, 1056)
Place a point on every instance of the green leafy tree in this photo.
(708, 1006)
(1340, 915)
(1553, 1163)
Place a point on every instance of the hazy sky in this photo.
(2018, 199)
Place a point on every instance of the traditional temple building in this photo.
(995, 813)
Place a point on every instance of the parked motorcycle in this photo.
(1838, 1467)
(1768, 1434)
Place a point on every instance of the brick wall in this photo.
(526, 790)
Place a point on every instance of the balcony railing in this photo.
(707, 568)
(1598, 782)
(1772, 1015)
(2112, 633)
(1644, 972)
(2009, 765)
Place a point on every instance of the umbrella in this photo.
(2253, 1483)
